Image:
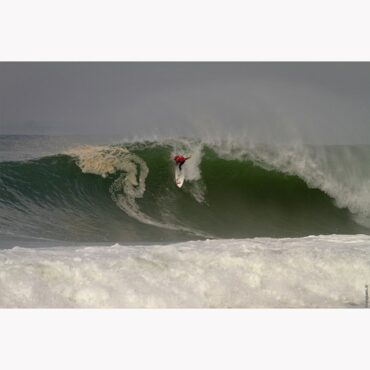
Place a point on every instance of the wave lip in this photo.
(315, 271)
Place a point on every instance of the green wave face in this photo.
(127, 194)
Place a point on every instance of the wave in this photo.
(233, 189)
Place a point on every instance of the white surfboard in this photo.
(179, 177)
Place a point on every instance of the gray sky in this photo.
(312, 102)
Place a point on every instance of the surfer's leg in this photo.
(180, 165)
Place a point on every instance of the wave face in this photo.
(126, 193)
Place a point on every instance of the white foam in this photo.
(130, 185)
(315, 271)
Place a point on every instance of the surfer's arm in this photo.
(187, 158)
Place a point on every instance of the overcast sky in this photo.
(312, 102)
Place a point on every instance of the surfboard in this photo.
(179, 177)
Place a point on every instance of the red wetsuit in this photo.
(180, 160)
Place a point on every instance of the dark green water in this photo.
(51, 197)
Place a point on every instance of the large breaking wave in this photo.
(126, 192)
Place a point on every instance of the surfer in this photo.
(180, 160)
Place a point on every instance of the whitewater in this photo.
(255, 225)
(315, 271)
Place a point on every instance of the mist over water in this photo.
(313, 103)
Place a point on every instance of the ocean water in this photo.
(87, 222)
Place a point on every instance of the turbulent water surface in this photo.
(240, 233)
